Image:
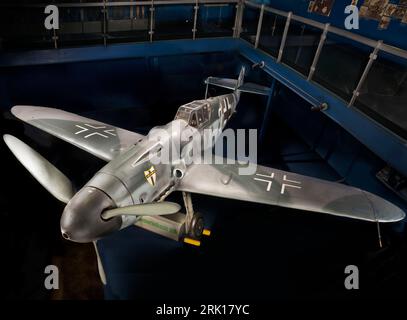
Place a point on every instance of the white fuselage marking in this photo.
(290, 184)
(269, 182)
(83, 129)
(284, 185)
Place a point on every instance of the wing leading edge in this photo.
(102, 140)
(286, 189)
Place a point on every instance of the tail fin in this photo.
(240, 80)
(238, 85)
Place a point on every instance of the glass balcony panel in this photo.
(173, 22)
(70, 20)
(128, 24)
(383, 95)
(249, 23)
(301, 46)
(215, 20)
(340, 65)
(117, 13)
(79, 26)
(271, 33)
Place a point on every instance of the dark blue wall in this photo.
(146, 88)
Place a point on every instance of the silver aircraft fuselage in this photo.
(143, 170)
(131, 178)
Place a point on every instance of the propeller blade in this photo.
(41, 169)
(145, 209)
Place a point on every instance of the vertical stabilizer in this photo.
(240, 80)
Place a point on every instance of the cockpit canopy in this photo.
(196, 113)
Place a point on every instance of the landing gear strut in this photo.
(194, 222)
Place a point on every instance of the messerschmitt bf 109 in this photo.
(131, 189)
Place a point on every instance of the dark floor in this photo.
(79, 278)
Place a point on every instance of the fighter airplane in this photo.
(131, 189)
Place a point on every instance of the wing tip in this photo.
(27, 112)
(385, 210)
(395, 217)
(20, 110)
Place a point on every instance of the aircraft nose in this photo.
(81, 220)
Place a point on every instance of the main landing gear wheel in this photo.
(197, 226)
(194, 223)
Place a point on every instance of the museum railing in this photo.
(367, 74)
(85, 22)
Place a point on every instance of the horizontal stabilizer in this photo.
(222, 82)
(254, 88)
(232, 84)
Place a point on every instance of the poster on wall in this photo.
(373, 9)
(390, 10)
(384, 23)
(401, 13)
(384, 12)
(321, 7)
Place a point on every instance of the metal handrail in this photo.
(115, 4)
(338, 31)
(152, 4)
(377, 45)
(326, 28)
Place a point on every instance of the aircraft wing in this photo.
(286, 189)
(100, 139)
